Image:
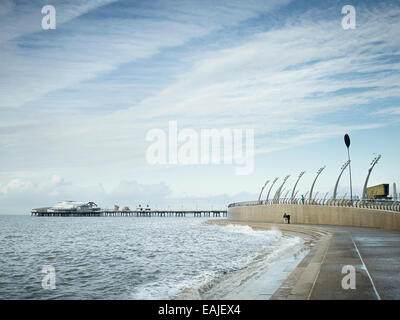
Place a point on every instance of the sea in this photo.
(140, 258)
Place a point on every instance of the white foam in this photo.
(273, 234)
(261, 273)
(243, 256)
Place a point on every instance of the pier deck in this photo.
(133, 213)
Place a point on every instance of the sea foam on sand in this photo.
(264, 274)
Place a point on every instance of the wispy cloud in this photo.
(81, 49)
(277, 81)
(393, 111)
(24, 17)
(113, 70)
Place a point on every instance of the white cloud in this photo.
(83, 49)
(392, 111)
(278, 81)
(25, 17)
(290, 81)
(15, 185)
(21, 195)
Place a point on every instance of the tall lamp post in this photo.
(312, 186)
(344, 166)
(269, 191)
(262, 189)
(295, 185)
(278, 192)
(347, 143)
(373, 163)
(287, 192)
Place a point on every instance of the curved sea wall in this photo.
(315, 214)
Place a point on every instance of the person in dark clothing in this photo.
(288, 218)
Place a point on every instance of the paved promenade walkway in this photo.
(375, 254)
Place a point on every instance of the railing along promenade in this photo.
(387, 205)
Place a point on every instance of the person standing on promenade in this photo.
(284, 217)
(302, 198)
(288, 218)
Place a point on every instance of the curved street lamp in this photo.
(262, 189)
(295, 185)
(287, 192)
(278, 192)
(373, 163)
(344, 166)
(273, 182)
(312, 186)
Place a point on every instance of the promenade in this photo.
(374, 253)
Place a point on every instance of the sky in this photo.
(77, 101)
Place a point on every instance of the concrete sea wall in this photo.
(315, 214)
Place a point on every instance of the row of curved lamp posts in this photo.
(310, 192)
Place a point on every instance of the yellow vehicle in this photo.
(378, 192)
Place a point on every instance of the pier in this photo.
(132, 213)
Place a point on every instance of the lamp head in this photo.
(347, 140)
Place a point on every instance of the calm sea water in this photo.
(126, 257)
